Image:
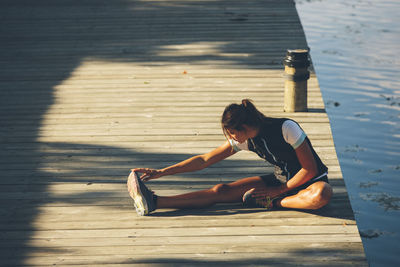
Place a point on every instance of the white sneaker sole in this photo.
(140, 203)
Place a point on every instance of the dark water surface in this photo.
(355, 51)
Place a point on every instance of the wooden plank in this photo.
(224, 259)
(350, 248)
(196, 240)
(212, 215)
(79, 220)
(189, 232)
(126, 222)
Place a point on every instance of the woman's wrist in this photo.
(166, 171)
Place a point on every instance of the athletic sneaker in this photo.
(251, 202)
(143, 198)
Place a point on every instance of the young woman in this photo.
(300, 179)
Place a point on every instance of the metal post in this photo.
(296, 76)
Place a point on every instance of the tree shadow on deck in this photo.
(43, 42)
(60, 181)
(301, 256)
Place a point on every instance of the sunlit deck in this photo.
(90, 89)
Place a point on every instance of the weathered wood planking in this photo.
(90, 89)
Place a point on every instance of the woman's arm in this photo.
(307, 172)
(192, 164)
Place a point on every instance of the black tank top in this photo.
(270, 145)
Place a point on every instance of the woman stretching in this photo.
(300, 179)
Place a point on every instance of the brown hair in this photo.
(237, 115)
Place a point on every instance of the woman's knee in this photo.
(221, 189)
(321, 194)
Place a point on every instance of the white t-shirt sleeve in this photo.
(238, 146)
(293, 134)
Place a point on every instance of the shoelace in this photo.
(266, 203)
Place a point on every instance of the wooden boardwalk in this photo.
(90, 89)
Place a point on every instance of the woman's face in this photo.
(240, 136)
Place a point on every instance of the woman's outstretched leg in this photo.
(220, 193)
(146, 201)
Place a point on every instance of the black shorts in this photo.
(277, 180)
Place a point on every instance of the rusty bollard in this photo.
(296, 75)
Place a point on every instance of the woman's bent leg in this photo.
(221, 193)
(315, 196)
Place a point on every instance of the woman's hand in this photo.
(148, 174)
(271, 192)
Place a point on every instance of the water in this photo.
(354, 47)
